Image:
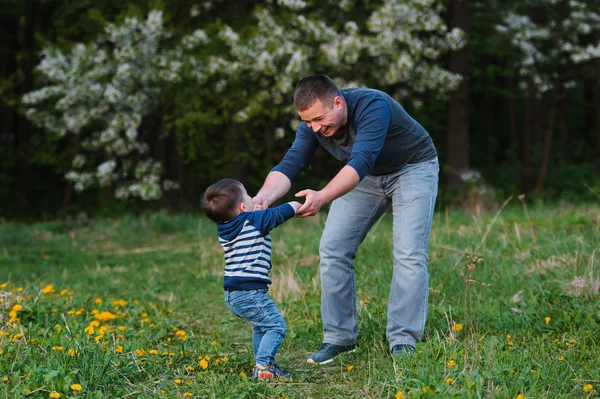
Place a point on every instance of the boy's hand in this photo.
(296, 205)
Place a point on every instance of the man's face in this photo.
(326, 119)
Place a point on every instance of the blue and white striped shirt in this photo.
(247, 245)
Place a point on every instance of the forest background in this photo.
(109, 107)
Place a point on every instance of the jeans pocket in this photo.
(244, 305)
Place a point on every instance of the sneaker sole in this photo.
(311, 361)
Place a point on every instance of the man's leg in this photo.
(413, 191)
(350, 219)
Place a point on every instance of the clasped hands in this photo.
(313, 201)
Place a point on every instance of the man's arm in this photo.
(343, 182)
(276, 185)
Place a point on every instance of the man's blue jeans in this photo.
(412, 192)
(269, 326)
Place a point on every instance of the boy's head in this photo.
(225, 199)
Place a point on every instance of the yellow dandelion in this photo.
(187, 394)
(63, 292)
(204, 364)
(547, 319)
(4, 379)
(177, 382)
(533, 371)
(400, 395)
(140, 352)
(510, 343)
(17, 307)
(242, 374)
(190, 368)
(350, 367)
(587, 387)
(451, 363)
(48, 289)
(508, 336)
(119, 349)
(153, 351)
(54, 395)
(424, 389)
(57, 348)
(458, 327)
(561, 358)
(16, 337)
(119, 302)
(105, 316)
(555, 341)
(520, 396)
(449, 380)
(76, 387)
(46, 256)
(98, 301)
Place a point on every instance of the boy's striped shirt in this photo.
(247, 246)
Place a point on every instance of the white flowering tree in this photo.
(226, 85)
(557, 40)
(97, 96)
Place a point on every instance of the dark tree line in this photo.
(496, 122)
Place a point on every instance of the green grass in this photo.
(161, 274)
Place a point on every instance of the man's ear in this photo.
(338, 101)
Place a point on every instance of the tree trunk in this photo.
(513, 137)
(596, 111)
(490, 134)
(526, 143)
(547, 140)
(27, 46)
(457, 142)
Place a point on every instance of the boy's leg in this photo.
(349, 220)
(245, 305)
(272, 327)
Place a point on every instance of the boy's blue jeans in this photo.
(269, 326)
(412, 192)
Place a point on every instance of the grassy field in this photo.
(133, 307)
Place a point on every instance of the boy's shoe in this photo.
(401, 349)
(328, 352)
(272, 372)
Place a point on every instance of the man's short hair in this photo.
(220, 200)
(312, 88)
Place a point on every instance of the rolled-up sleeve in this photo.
(371, 130)
(298, 157)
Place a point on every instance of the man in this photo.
(389, 158)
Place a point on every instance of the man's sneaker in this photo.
(272, 372)
(401, 349)
(328, 352)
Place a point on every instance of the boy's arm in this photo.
(267, 219)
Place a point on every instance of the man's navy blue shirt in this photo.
(379, 138)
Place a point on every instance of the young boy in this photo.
(244, 236)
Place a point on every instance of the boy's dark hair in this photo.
(312, 88)
(221, 199)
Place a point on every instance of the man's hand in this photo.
(260, 203)
(314, 200)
